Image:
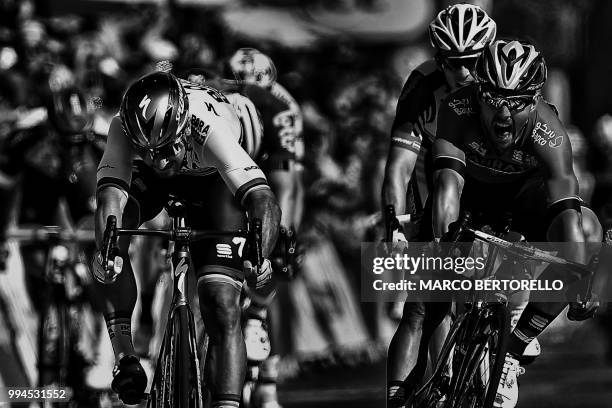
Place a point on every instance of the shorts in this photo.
(209, 205)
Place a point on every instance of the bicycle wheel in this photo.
(160, 393)
(177, 381)
(434, 392)
(480, 369)
(54, 347)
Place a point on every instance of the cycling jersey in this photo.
(279, 114)
(541, 150)
(212, 146)
(418, 107)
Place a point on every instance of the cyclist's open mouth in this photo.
(503, 129)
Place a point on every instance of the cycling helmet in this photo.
(512, 67)
(154, 110)
(69, 111)
(461, 29)
(252, 66)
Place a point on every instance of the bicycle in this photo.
(470, 363)
(66, 276)
(177, 381)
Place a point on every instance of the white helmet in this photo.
(252, 66)
(461, 29)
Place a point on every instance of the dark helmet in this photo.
(154, 110)
(511, 66)
(69, 111)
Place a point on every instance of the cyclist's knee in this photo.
(593, 232)
(219, 301)
(414, 315)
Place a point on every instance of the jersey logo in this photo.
(199, 129)
(224, 251)
(542, 135)
(211, 108)
(285, 123)
(462, 106)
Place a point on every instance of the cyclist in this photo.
(501, 148)
(253, 90)
(51, 160)
(459, 33)
(175, 137)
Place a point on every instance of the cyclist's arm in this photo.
(281, 163)
(245, 180)
(555, 157)
(405, 143)
(449, 166)
(398, 170)
(114, 176)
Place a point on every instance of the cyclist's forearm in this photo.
(283, 185)
(110, 201)
(446, 200)
(566, 227)
(262, 204)
(397, 176)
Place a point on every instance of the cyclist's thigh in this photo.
(218, 211)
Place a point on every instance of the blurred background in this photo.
(345, 62)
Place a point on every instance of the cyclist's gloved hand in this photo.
(4, 254)
(107, 271)
(258, 277)
(582, 310)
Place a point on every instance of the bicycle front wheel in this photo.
(481, 367)
(434, 392)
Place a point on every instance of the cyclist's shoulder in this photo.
(545, 128)
(208, 104)
(427, 77)
(282, 94)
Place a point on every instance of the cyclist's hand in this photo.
(106, 271)
(258, 277)
(582, 310)
(4, 254)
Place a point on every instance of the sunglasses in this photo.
(456, 63)
(164, 152)
(514, 103)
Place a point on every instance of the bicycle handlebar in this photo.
(179, 234)
(529, 252)
(50, 233)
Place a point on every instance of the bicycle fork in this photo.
(177, 381)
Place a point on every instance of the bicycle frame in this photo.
(177, 381)
(176, 346)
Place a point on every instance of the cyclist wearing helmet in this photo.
(459, 34)
(501, 137)
(175, 137)
(52, 159)
(275, 150)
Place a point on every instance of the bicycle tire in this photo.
(60, 348)
(430, 394)
(186, 385)
(159, 395)
(487, 346)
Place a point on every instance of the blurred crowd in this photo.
(347, 91)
